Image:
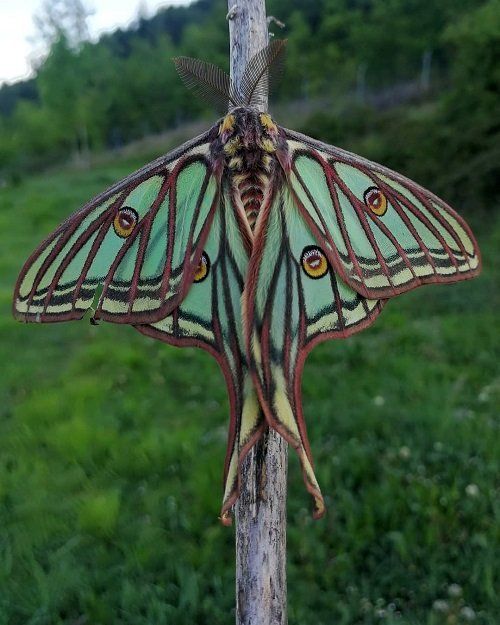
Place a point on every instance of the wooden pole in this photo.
(261, 507)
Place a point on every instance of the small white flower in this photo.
(404, 452)
(379, 400)
(440, 605)
(484, 394)
(464, 413)
(455, 590)
(366, 604)
(472, 490)
(467, 613)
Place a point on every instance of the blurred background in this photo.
(112, 446)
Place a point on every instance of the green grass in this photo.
(112, 448)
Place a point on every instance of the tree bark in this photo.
(261, 507)
(261, 535)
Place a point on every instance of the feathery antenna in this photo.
(263, 69)
(213, 85)
(208, 81)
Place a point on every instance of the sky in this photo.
(16, 28)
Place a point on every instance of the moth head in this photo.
(245, 128)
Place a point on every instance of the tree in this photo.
(472, 108)
(62, 77)
(66, 18)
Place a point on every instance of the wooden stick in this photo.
(261, 508)
(261, 535)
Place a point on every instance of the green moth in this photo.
(255, 243)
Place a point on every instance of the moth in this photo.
(255, 243)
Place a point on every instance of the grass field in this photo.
(112, 446)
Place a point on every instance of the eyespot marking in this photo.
(314, 262)
(125, 221)
(376, 201)
(202, 269)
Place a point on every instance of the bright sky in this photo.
(16, 27)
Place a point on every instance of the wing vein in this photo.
(360, 212)
(143, 244)
(104, 219)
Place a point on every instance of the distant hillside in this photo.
(327, 19)
(358, 57)
(169, 21)
(11, 94)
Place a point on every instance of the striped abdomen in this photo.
(250, 187)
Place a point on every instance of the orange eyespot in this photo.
(125, 221)
(314, 262)
(203, 268)
(376, 201)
